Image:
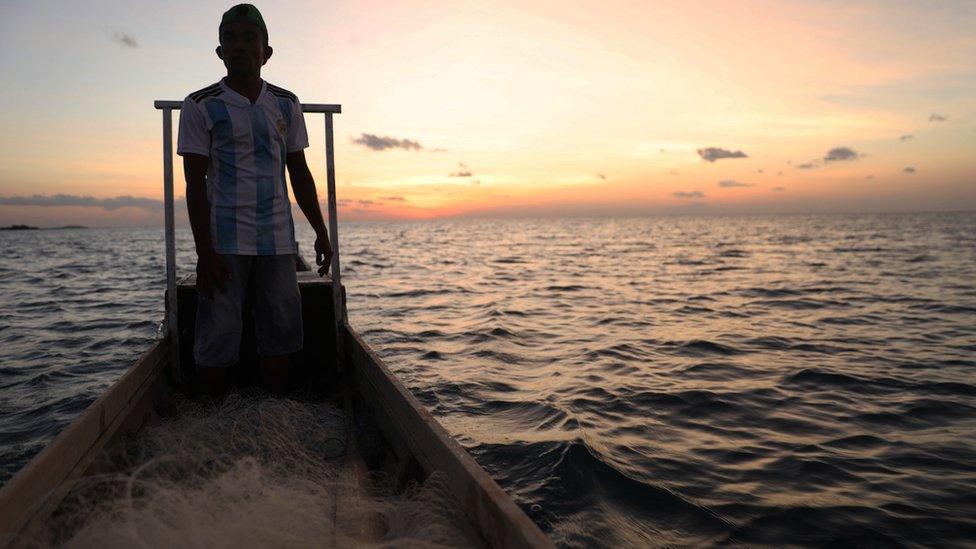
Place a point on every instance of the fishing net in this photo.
(251, 471)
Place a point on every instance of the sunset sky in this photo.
(514, 107)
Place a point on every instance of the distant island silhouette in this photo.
(30, 228)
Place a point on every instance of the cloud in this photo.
(394, 198)
(779, 173)
(463, 172)
(125, 40)
(760, 170)
(806, 166)
(689, 194)
(779, 189)
(712, 154)
(727, 183)
(381, 143)
(909, 169)
(114, 203)
(365, 202)
(906, 137)
(343, 202)
(937, 118)
(674, 172)
(601, 176)
(869, 176)
(840, 154)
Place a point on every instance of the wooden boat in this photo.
(412, 444)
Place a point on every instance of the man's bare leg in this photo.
(274, 374)
(213, 381)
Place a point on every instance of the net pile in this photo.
(251, 471)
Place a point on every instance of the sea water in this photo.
(804, 379)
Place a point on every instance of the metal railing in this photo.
(172, 322)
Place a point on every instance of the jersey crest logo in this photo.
(282, 127)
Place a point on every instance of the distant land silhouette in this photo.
(30, 228)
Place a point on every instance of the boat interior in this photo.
(389, 441)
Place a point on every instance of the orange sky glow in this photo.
(517, 107)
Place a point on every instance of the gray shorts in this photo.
(271, 285)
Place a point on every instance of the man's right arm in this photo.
(211, 268)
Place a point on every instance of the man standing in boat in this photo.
(236, 138)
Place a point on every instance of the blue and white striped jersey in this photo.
(250, 213)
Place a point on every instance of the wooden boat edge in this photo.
(34, 491)
(404, 418)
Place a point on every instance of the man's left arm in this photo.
(303, 185)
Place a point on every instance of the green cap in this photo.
(247, 13)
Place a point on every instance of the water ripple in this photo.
(767, 380)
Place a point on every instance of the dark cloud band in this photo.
(712, 154)
(125, 40)
(115, 203)
(728, 183)
(840, 154)
(381, 143)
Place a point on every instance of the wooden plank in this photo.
(499, 519)
(36, 490)
(353, 486)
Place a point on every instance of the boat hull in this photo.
(411, 446)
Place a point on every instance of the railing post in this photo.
(172, 324)
(339, 307)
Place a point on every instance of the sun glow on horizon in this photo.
(473, 109)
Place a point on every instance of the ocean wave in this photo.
(700, 347)
(640, 382)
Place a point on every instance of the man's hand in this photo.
(212, 271)
(323, 253)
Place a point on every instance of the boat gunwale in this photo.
(40, 486)
(498, 517)
(402, 419)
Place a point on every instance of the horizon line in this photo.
(517, 216)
